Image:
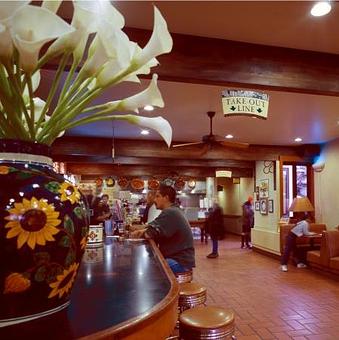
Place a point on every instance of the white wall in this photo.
(265, 234)
(326, 187)
(234, 195)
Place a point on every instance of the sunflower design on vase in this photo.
(69, 192)
(64, 282)
(32, 222)
(43, 232)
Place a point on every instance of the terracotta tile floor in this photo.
(269, 304)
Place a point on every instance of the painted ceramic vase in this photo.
(43, 233)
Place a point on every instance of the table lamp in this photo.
(301, 204)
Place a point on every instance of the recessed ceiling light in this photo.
(229, 136)
(298, 140)
(321, 8)
(144, 132)
(149, 108)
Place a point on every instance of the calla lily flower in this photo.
(161, 41)
(7, 10)
(158, 124)
(111, 59)
(107, 45)
(32, 27)
(52, 6)
(150, 96)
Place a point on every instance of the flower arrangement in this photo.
(110, 59)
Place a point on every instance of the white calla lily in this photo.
(108, 45)
(52, 6)
(111, 59)
(159, 124)
(32, 27)
(160, 42)
(150, 96)
(7, 10)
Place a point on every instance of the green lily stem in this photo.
(6, 126)
(73, 111)
(53, 89)
(128, 118)
(17, 99)
(14, 120)
(31, 122)
(68, 80)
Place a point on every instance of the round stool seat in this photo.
(206, 323)
(184, 277)
(191, 295)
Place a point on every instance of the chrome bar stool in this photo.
(184, 276)
(212, 323)
(191, 294)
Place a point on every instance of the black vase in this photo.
(43, 233)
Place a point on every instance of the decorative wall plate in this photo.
(99, 182)
(123, 182)
(169, 181)
(137, 184)
(179, 184)
(153, 184)
(192, 183)
(110, 182)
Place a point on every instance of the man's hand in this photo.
(137, 233)
(135, 227)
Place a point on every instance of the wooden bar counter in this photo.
(124, 290)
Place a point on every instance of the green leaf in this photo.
(65, 242)
(40, 274)
(53, 187)
(68, 224)
(52, 272)
(24, 175)
(78, 212)
(70, 258)
(41, 258)
(11, 169)
(84, 231)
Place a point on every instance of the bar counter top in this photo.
(124, 290)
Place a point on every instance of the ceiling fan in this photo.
(211, 139)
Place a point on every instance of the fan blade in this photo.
(234, 144)
(186, 144)
(204, 149)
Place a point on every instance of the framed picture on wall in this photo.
(270, 206)
(263, 206)
(263, 189)
(257, 205)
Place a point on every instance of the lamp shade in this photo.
(301, 204)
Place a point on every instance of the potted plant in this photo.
(43, 218)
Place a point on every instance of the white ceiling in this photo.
(314, 118)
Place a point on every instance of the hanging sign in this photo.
(245, 103)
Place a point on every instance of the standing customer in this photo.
(300, 229)
(215, 228)
(171, 231)
(247, 222)
(151, 212)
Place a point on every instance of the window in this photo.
(296, 181)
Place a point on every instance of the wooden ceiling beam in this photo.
(230, 63)
(91, 171)
(100, 150)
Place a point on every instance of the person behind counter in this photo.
(102, 211)
(151, 212)
(171, 231)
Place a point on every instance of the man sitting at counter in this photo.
(171, 231)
